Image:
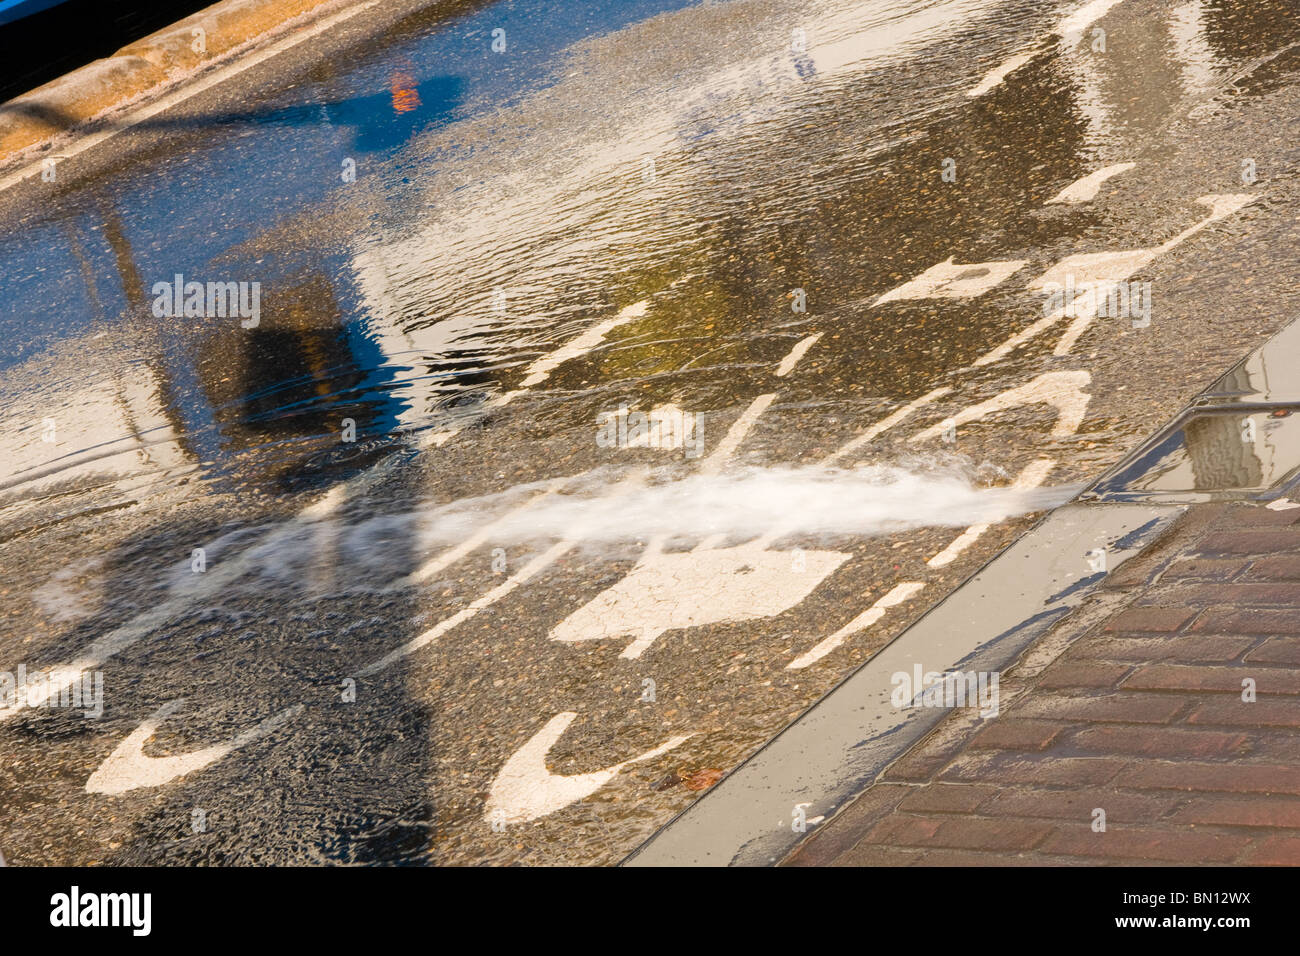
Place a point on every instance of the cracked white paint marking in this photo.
(129, 768)
(896, 595)
(665, 592)
(1033, 475)
(947, 280)
(1061, 390)
(1086, 189)
(525, 789)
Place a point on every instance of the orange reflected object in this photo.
(405, 96)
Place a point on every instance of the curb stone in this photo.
(137, 68)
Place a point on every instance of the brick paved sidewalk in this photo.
(1133, 704)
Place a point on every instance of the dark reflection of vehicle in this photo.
(292, 394)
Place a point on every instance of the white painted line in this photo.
(1024, 335)
(712, 464)
(206, 82)
(211, 583)
(897, 595)
(735, 435)
(540, 370)
(885, 424)
(790, 361)
(1085, 311)
(1099, 267)
(996, 75)
(957, 546)
(1064, 391)
(1033, 475)
(671, 592)
(1221, 205)
(1086, 189)
(432, 634)
(1108, 269)
(1071, 29)
(473, 542)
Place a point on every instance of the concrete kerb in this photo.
(161, 58)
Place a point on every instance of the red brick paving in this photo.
(1141, 716)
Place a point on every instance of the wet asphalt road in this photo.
(415, 647)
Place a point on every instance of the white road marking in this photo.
(1062, 390)
(473, 542)
(128, 768)
(667, 592)
(541, 370)
(947, 280)
(713, 463)
(735, 435)
(497, 593)
(995, 76)
(211, 583)
(885, 424)
(1033, 475)
(220, 75)
(1109, 267)
(896, 595)
(1071, 29)
(1024, 335)
(214, 580)
(525, 789)
(1086, 189)
(790, 361)
(710, 585)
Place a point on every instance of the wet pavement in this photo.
(513, 621)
